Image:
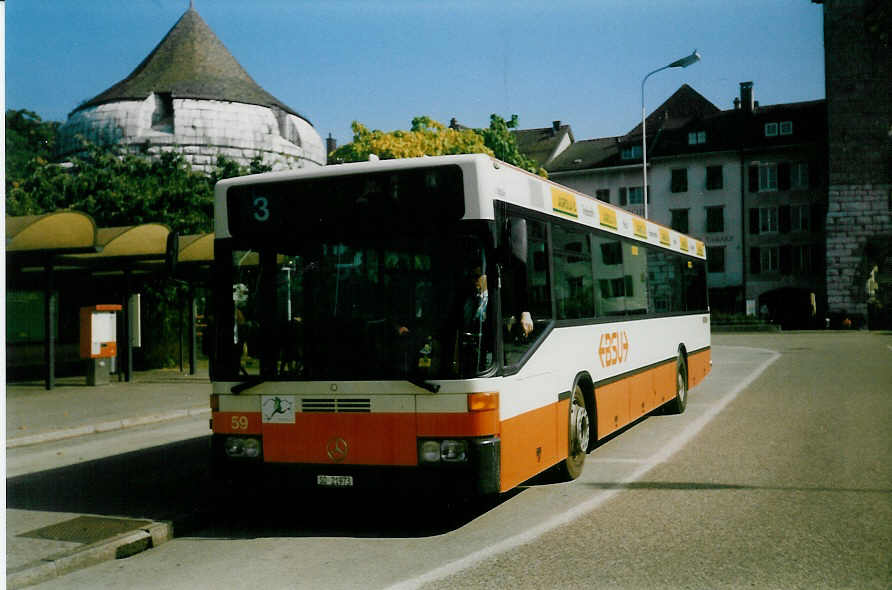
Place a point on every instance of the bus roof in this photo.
(494, 181)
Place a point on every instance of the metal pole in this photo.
(192, 331)
(49, 337)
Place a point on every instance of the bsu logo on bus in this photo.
(613, 349)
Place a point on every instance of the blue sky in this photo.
(383, 62)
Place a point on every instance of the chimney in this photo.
(555, 127)
(331, 144)
(736, 103)
(746, 97)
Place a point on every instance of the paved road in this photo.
(778, 476)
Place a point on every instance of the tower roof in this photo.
(190, 62)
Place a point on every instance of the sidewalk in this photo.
(35, 415)
(42, 545)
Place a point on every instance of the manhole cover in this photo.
(86, 529)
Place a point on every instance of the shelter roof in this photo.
(57, 232)
(190, 62)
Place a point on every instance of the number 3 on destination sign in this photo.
(261, 208)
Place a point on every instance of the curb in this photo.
(117, 547)
(109, 426)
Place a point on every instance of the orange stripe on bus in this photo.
(699, 366)
(533, 441)
(348, 439)
(463, 424)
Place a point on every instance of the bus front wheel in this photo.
(578, 434)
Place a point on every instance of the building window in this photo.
(786, 128)
(679, 220)
(715, 259)
(767, 177)
(603, 194)
(636, 195)
(696, 137)
(802, 259)
(631, 152)
(799, 175)
(770, 129)
(800, 215)
(162, 115)
(714, 178)
(768, 259)
(715, 220)
(767, 220)
(679, 183)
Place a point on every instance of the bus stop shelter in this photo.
(65, 254)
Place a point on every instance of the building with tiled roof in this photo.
(749, 181)
(191, 95)
(543, 145)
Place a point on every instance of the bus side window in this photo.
(526, 286)
(573, 283)
(610, 276)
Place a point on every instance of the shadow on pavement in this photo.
(173, 483)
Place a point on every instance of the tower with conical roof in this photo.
(191, 95)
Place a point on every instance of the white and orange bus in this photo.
(449, 321)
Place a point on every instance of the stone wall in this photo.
(857, 214)
(200, 130)
(859, 112)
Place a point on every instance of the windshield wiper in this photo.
(240, 387)
(423, 383)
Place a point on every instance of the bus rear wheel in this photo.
(678, 405)
(578, 434)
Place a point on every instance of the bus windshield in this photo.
(394, 307)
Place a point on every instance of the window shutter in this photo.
(755, 261)
(783, 219)
(786, 259)
(623, 199)
(754, 179)
(754, 220)
(783, 176)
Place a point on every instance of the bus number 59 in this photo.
(239, 422)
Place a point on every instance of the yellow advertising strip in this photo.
(640, 227)
(700, 251)
(664, 236)
(684, 244)
(563, 202)
(607, 217)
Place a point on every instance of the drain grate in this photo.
(86, 529)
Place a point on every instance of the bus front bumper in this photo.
(479, 475)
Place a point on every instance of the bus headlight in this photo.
(235, 446)
(454, 451)
(430, 451)
(446, 451)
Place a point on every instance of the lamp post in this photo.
(679, 63)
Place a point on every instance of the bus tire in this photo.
(680, 402)
(578, 434)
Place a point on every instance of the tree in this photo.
(428, 137)
(118, 188)
(27, 137)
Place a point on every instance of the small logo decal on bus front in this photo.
(613, 349)
(336, 449)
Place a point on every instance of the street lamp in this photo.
(679, 63)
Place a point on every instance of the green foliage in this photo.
(118, 188)
(27, 137)
(427, 137)
(501, 141)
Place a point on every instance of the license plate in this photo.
(335, 481)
